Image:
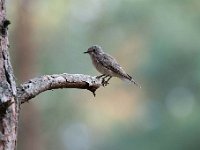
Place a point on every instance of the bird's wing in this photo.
(110, 63)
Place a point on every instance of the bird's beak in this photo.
(85, 52)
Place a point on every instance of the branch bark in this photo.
(35, 86)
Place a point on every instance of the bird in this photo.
(107, 66)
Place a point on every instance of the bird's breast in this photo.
(100, 66)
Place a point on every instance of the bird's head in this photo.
(95, 49)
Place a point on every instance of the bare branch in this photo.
(35, 86)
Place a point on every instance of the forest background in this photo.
(155, 41)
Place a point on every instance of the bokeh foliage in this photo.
(156, 41)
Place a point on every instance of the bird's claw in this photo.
(104, 82)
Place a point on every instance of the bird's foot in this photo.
(104, 82)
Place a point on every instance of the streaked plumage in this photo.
(107, 65)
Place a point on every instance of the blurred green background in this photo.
(155, 41)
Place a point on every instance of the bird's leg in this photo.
(103, 76)
(104, 81)
(98, 77)
(109, 78)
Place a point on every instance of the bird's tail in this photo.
(130, 79)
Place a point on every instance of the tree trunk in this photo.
(9, 105)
